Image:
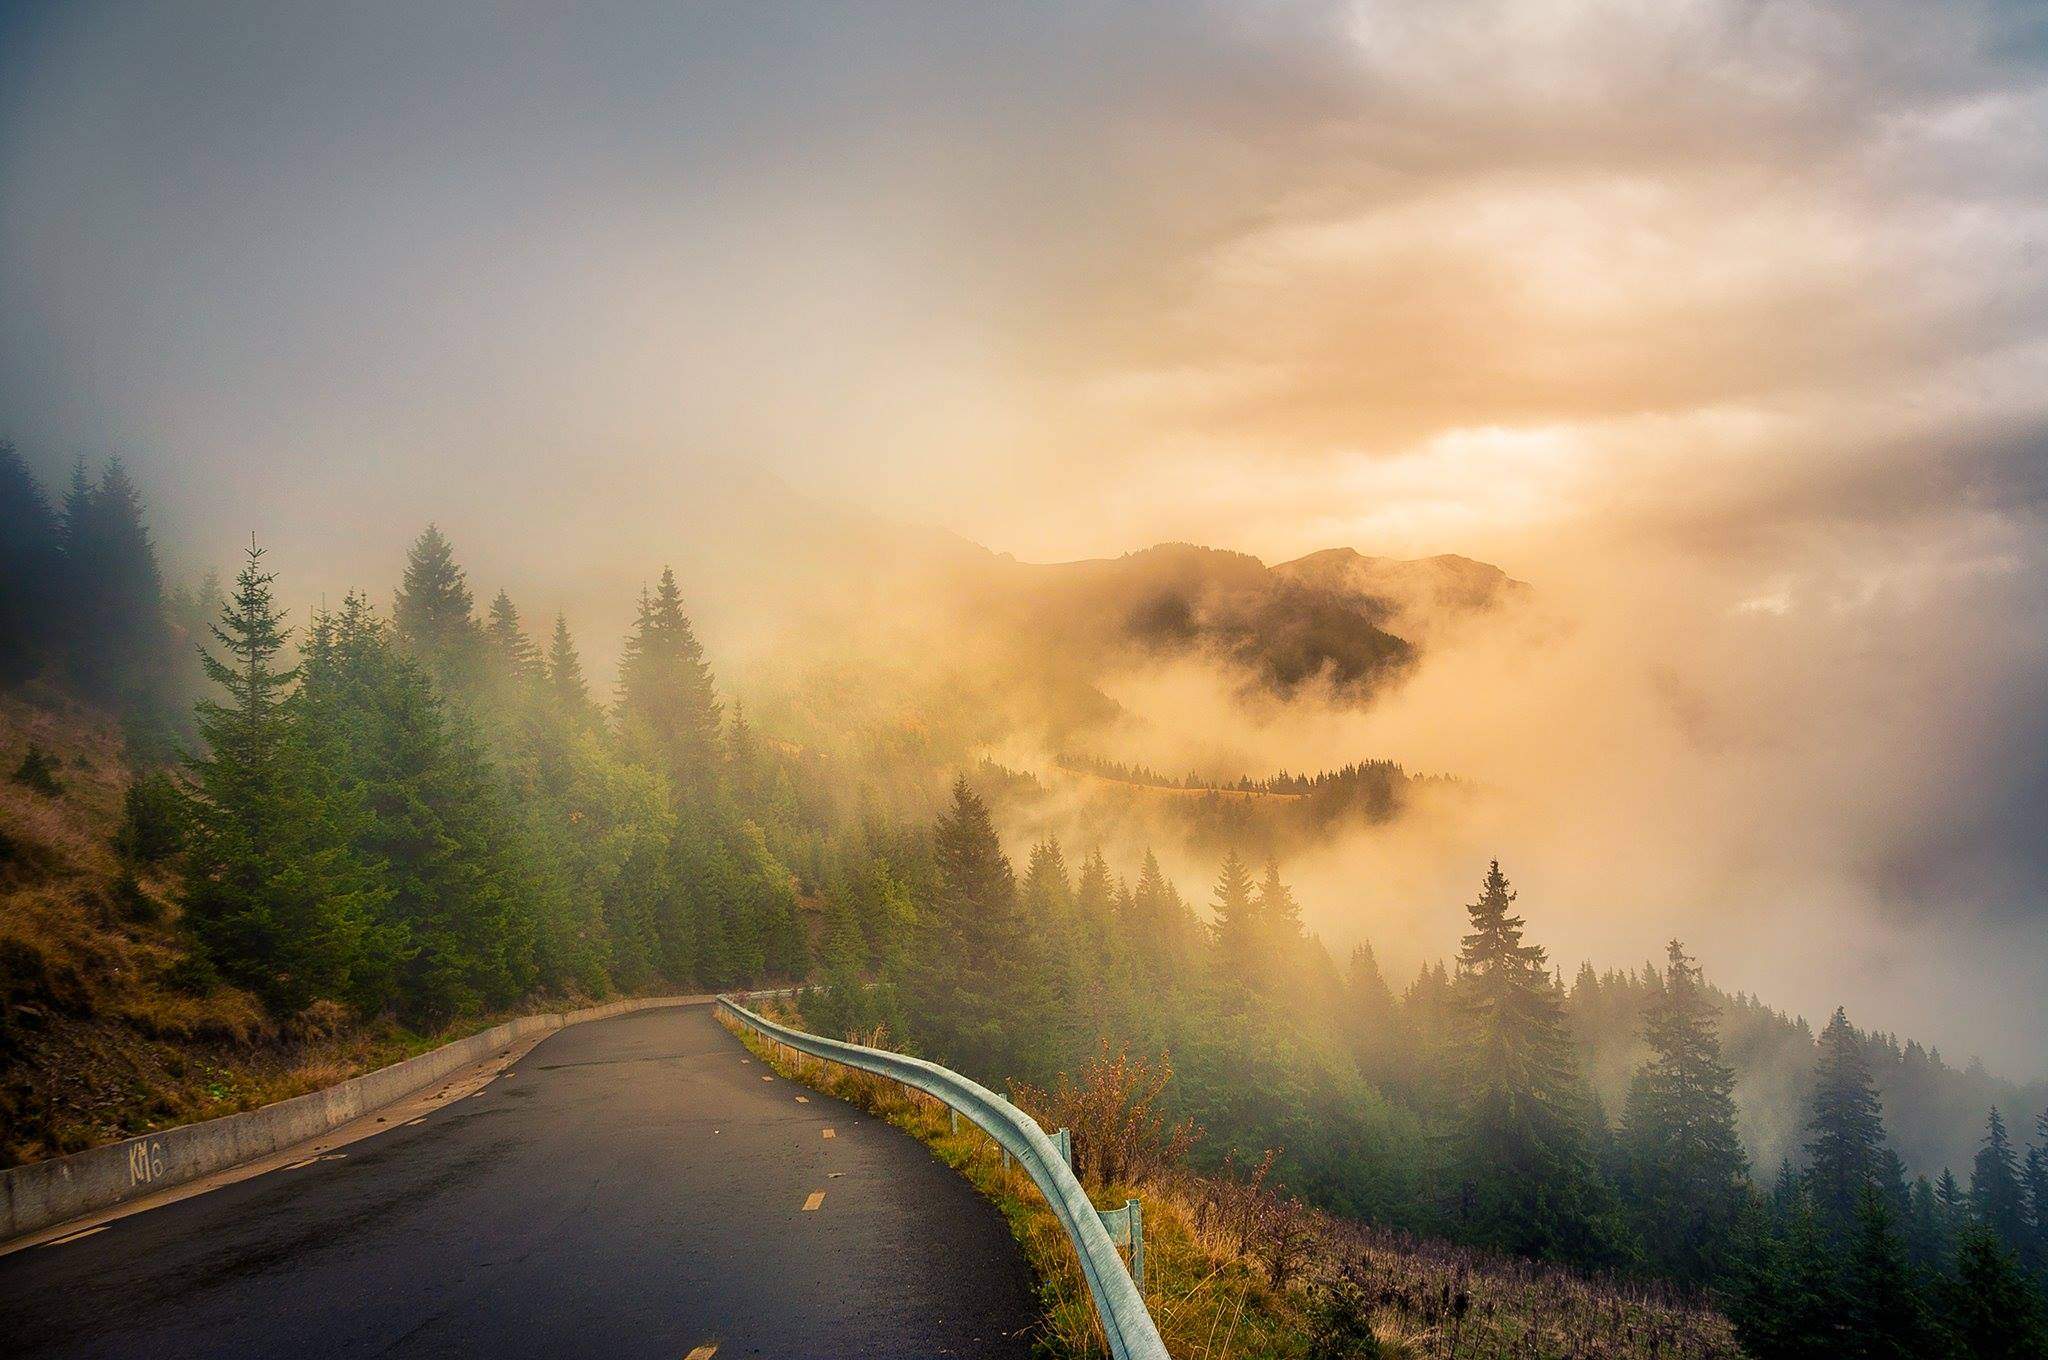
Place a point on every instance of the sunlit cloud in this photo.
(1724, 324)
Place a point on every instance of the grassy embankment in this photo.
(1237, 1273)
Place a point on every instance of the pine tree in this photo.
(844, 1007)
(1158, 927)
(1521, 1136)
(1373, 1013)
(969, 980)
(743, 756)
(120, 644)
(1787, 1301)
(273, 894)
(1884, 1316)
(1997, 1197)
(1953, 1202)
(435, 616)
(1097, 948)
(1685, 1159)
(668, 709)
(1926, 1238)
(566, 686)
(1846, 1148)
(2037, 1199)
(460, 925)
(1989, 1307)
(1237, 929)
(1279, 913)
(1048, 895)
(75, 518)
(511, 649)
(29, 562)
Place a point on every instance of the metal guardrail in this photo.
(1126, 1324)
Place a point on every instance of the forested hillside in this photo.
(367, 826)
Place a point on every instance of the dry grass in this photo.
(1217, 1291)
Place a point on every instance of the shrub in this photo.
(1340, 1323)
(193, 975)
(1121, 1136)
(133, 905)
(323, 1019)
(152, 819)
(38, 771)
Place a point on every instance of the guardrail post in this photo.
(1136, 1210)
(1064, 1141)
(953, 1120)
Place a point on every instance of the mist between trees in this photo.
(433, 813)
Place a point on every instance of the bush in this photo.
(323, 1019)
(1120, 1135)
(38, 771)
(1340, 1324)
(193, 975)
(133, 905)
(152, 820)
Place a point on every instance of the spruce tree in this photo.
(567, 689)
(1787, 1301)
(1159, 927)
(460, 925)
(2036, 1176)
(1997, 1196)
(1237, 929)
(1521, 1152)
(1953, 1202)
(1373, 1014)
(435, 616)
(1990, 1308)
(668, 709)
(1047, 893)
(967, 988)
(844, 1006)
(120, 648)
(29, 561)
(1845, 1148)
(1097, 946)
(75, 517)
(273, 894)
(1926, 1238)
(1686, 1165)
(1884, 1316)
(512, 651)
(743, 757)
(1279, 913)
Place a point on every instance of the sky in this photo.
(1724, 324)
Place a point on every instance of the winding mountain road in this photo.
(631, 1187)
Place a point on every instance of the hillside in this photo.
(1416, 598)
(107, 1026)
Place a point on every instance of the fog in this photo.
(1721, 324)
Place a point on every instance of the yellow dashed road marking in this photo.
(830, 1134)
(767, 1079)
(703, 1352)
(73, 1237)
(817, 1198)
(803, 1100)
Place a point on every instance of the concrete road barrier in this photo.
(46, 1193)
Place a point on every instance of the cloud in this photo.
(1724, 322)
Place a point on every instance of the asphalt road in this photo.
(631, 1187)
